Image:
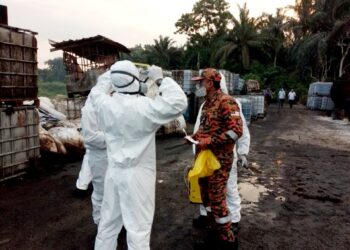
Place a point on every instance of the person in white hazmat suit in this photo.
(241, 150)
(94, 141)
(129, 122)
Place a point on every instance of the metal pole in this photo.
(3, 15)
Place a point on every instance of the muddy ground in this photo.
(296, 197)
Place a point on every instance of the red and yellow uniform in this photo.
(220, 126)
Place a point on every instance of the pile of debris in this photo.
(57, 134)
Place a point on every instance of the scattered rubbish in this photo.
(57, 134)
(278, 163)
(280, 198)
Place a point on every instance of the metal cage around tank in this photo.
(19, 140)
(18, 64)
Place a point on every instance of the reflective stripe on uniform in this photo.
(223, 220)
(232, 135)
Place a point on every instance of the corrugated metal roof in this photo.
(90, 47)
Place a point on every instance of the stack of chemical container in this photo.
(247, 107)
(257, 98)
(183, 78)
(319, 96)
(258, 106)
(19, 123)
(238, 84)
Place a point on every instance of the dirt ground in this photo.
(296, 197)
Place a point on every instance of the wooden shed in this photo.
(85, 59)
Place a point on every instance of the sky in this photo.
(129, 22)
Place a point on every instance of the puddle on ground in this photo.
(251, 191)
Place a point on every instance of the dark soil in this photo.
(301, 176)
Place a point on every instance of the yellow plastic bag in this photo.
(205, 165)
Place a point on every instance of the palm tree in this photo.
(164, 53)
(242, 37)
(317, 20)
(273, 32)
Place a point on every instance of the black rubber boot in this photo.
(80, 194)
(200, 222)
(235, 228)
(228, 245)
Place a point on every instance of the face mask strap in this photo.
(125, 73)
(144, 81)
(133, 93)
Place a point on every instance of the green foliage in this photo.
(208, 18)
(138, 54)
(51, 89)
(205, 27)
(317, 35)
(252, 76)
(275, 78)
(55, 71)
(243, 37)
(162, 53)
(275, 49)
(52, 79)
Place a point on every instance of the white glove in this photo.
(242, 161)
(155, 73)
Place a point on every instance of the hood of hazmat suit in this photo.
(129, 123)
(125, 78)
(223, 84)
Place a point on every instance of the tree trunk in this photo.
(245, 57)
(341, 71)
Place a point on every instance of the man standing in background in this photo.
(291, 98)
(281, 97)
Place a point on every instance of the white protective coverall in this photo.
(94, 141)
(241, 148)
(130, 123)
(85, 176)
